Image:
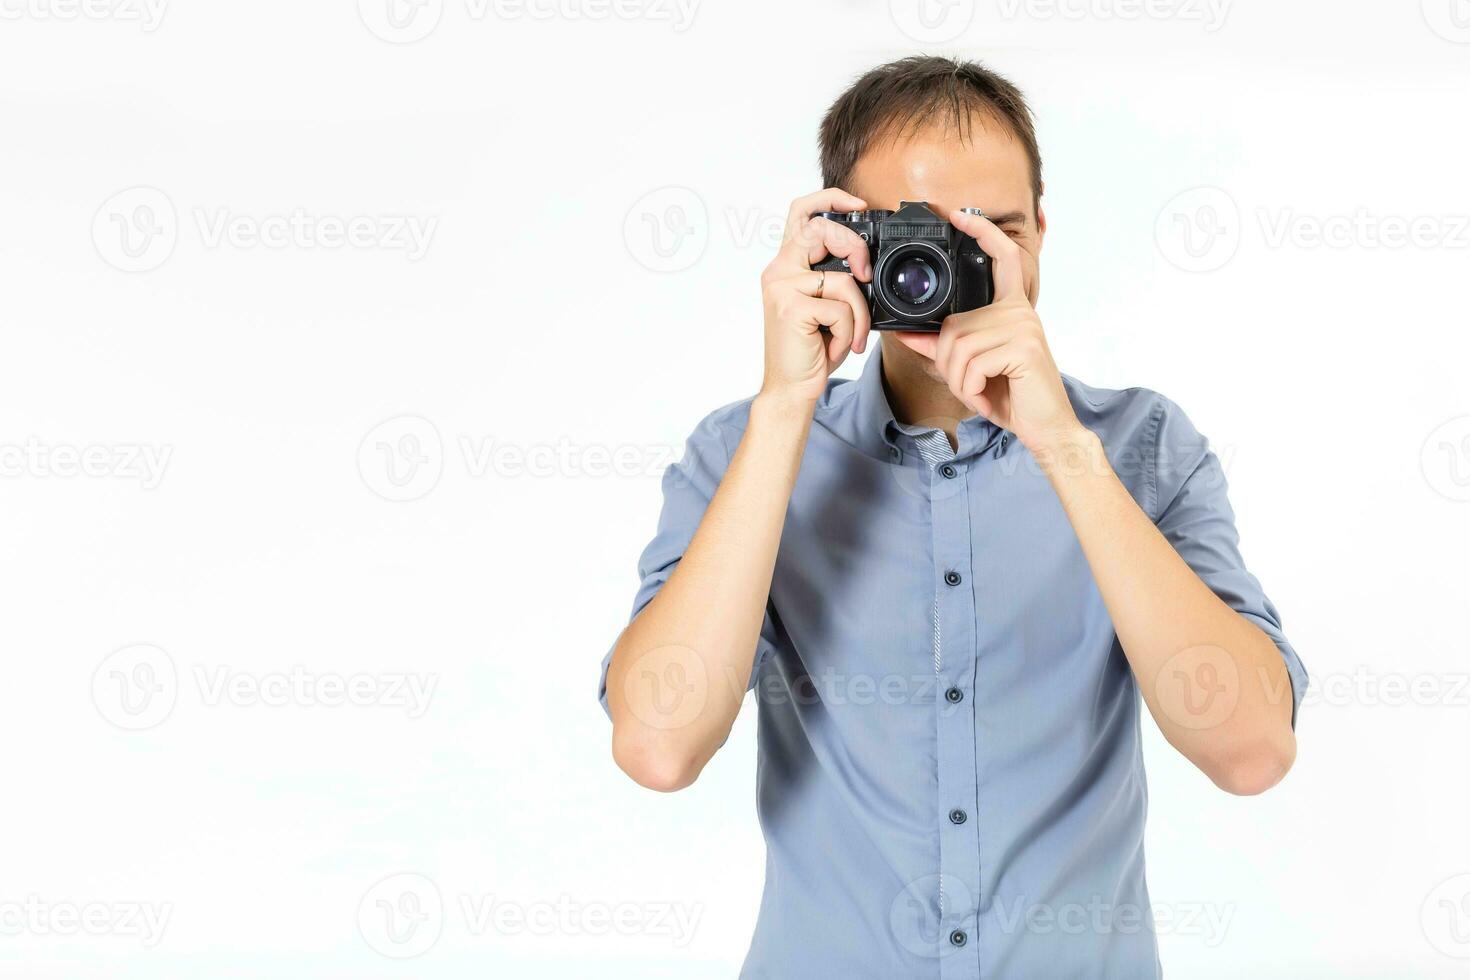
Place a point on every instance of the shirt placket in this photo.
(954, 664)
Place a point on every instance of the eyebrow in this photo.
(1009, 218)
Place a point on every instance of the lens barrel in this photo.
(915, 282)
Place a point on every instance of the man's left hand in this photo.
(996, 359)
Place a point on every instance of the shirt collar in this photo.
(858, 412)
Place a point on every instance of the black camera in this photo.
(924, 268)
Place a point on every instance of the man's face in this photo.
(988, 170)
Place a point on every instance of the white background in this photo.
(538, 331)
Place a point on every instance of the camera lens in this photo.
(913, 280)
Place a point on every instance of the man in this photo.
(949, 583)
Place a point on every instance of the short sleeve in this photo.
(1192, 509)
(688, 487)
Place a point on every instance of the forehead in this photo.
(985, 166)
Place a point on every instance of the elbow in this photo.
(661, 768)
(1252, 770)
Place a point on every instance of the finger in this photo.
(1005, 254)
(979, 372)
(799, 300)
(827, 199)
(815, 239)
(833, 316)
(982, 406)
(840, 341)
(808, 283)
(957, 344)
(826, 237)
(837, 286)
(841, 286)
(790, 257)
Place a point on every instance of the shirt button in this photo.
(954, 695)
(957, 816)
(957, 938)
(948, 472)
(952, 578)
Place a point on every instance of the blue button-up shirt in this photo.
(950, 774)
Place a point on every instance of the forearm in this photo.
(1214, 682)
(699, 633)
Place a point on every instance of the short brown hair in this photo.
(904, 95)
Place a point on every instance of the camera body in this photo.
(924, 268)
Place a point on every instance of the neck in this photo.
(916, 396)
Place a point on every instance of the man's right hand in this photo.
(710, 613)
(813, 319)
